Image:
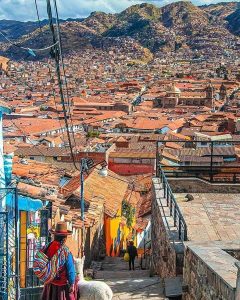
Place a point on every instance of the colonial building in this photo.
(174, 97)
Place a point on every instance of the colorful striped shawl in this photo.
(47, 269)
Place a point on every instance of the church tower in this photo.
(223, 92)
(210, 96)
(209, 91)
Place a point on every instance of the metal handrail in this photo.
(143, 255)
(175, 211)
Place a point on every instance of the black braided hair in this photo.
(60, 238)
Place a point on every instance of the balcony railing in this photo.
(174, 209)
(212, 161)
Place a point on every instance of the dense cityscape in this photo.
(126, 129)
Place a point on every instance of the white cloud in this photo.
(25, 9)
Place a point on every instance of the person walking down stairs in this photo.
(132, 251)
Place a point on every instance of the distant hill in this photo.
(234, 21)
(16, 29)
(177, 25)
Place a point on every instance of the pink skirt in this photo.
(58, 292)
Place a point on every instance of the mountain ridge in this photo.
(156, 28)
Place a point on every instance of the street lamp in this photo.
(103, 172)
(85, 165)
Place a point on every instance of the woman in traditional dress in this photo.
(63, 285)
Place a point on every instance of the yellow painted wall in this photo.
(111, 233)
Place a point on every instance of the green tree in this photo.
(128, 212)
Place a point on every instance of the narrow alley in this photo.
(127, 284)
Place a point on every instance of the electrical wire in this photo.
(63, 67)
(54, 95)
(55, 53)
(55, 104)
(25, 48)
(39, 22)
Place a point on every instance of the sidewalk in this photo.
(127, 284)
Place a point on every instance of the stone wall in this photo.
(199, 186)
(167, 256)
(234, 253)
(202, 282)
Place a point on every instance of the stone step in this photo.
(173, 286)
(116, 274)
(137, 288)
(127, 285)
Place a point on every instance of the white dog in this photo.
(91, 290)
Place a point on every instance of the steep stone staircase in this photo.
(127, 284)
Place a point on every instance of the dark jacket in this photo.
(132, 251)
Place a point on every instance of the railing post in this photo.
(171, 199)
(167, 197)
(173, 207)
(184, 226)
(160, 174)
(175, 215)
(185, 233)
(179, 228)
(164, 187)
(157, 160)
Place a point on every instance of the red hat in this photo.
(61, 229)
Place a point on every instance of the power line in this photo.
(25, 48)
(55, 53)
(39, 22)
(55, 104)
(60, 49)
(63, 67)
(54, 95)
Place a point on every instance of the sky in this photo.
(24, 10)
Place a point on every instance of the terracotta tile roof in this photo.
(37, 192)
(34, 125)
(173, 145)
(44, 173)
(145, 123)
(8, 148)
(42, 151)
(4, 103)
(176, 136)
(111, 189)
(146, 205)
